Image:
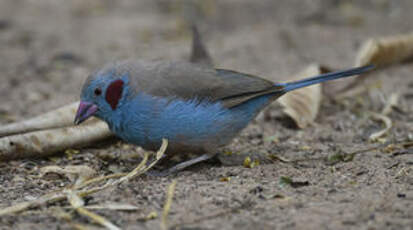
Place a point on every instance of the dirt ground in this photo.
(48, 48)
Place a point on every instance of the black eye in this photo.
(98, 91)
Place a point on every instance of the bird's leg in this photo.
(181, 166)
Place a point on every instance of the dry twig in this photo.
(167, 206)
(60, 117)
(46, 142)
(78, 204)
(81, 190)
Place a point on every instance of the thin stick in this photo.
(46, 142)
(167, 206)
(78, 204)
(98, 219)
(99, 179)
(388, 125)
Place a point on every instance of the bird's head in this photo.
(103, 93)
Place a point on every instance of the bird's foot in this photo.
(179, 166)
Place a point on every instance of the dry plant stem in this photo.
(62, 195)
(98, 219)
(113, 206)
(79, 227)
(48, 198)
(99, 179)
(46, 142)
(78, 204)
(51, 198)
(391, 103)
(167, 206)
(388, 125)
(140, 169)
(60, 117)
(61, 214)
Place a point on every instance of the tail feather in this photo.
(325, 77)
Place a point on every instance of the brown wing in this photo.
(188, 81)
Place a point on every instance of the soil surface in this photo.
(49, 47)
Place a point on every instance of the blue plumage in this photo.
(199, 126)
(197, 109)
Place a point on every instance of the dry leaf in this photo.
(302, 105)
(386, 51)
(75, 173)
(380, 52)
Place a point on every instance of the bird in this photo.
(197, 108)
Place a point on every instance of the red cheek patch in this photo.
(114, 93)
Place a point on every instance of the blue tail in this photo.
(325, 77)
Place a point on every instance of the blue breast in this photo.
(195, 124)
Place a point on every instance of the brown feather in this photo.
(189, 81)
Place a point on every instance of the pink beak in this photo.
(85, 110)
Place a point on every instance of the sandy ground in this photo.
(48, 48)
